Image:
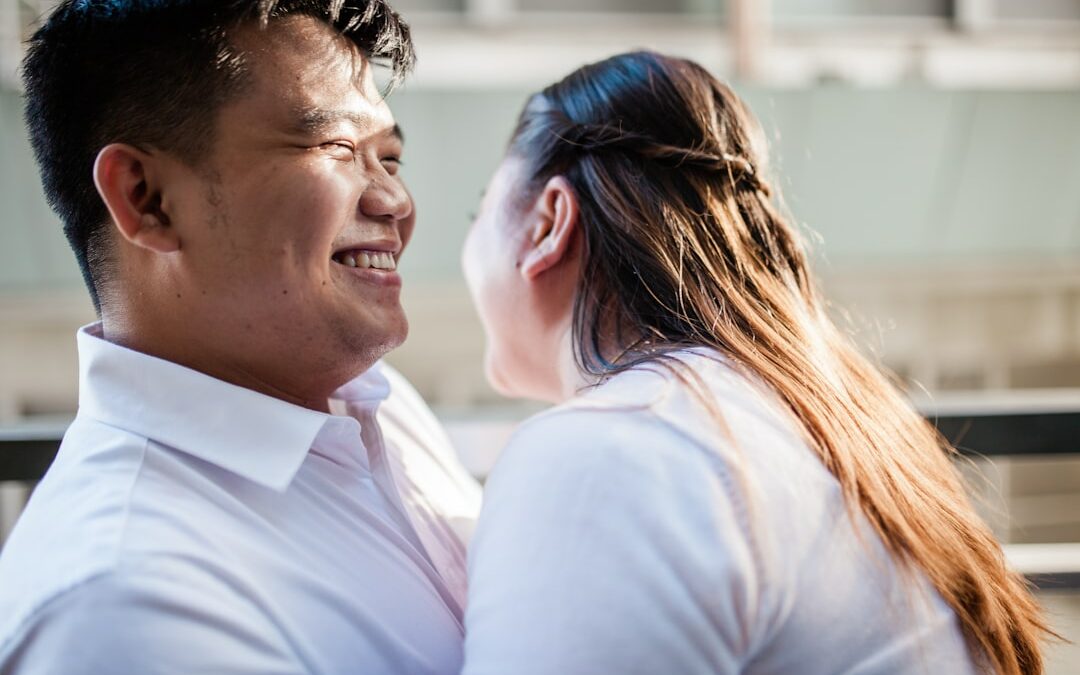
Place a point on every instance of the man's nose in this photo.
(386, 198)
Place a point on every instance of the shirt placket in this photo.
(387, 481)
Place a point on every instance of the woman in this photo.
(725, 485)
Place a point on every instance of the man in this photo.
(245, 489)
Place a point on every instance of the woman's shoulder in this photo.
(647, 436)
(623, 476)
(691, 407)
(624, 436)
(618, 498)
(630, 438)
(598, 515)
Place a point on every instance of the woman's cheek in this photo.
(489, 273)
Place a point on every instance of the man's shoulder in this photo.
(142, 612)
(83, 499)
(78, 523)
(72, 528)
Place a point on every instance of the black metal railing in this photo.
(993, 432)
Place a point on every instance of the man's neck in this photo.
(195, 353)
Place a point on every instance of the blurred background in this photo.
(929, 148)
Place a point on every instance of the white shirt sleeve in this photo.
(153, 619)
(608, 543)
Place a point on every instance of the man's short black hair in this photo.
(154, 73)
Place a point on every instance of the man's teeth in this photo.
(367, 259)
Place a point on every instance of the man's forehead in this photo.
(302, 51)
(305, 74)
(294, 31)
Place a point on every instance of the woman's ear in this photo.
(129, 183)
(556, 225)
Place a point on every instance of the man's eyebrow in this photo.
(315, 120)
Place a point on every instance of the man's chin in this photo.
(376, 341)
(398, 339)
(400, 331)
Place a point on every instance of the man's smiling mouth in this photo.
(379, 260)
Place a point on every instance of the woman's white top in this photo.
(624, 533)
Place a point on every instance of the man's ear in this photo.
(128, 180)
(556, 224)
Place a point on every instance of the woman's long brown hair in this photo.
(684, 246)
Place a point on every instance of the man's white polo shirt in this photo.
(192, 526)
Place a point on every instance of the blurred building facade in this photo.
(929, 148)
